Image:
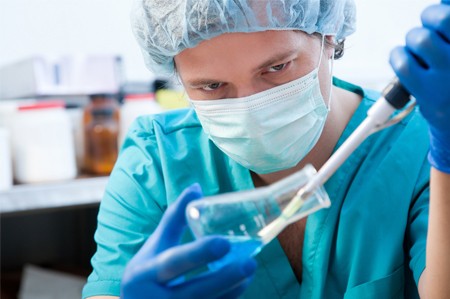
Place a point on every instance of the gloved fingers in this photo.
(180, 260)
(219, 282)
(407, 68)
(237, 291)
(173, 223)
(428, 48)
(437, 17)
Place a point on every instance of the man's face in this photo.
(236, 65)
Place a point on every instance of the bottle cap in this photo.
(43, 105)
(103, 96)
(140, 97)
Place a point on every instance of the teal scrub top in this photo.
(369, 244)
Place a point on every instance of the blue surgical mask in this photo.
(268, 131)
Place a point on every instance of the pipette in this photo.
(394, 97)
(379, 116)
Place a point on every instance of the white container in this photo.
(6, 180)
(134, 106)
(43, 144)
(76, 119)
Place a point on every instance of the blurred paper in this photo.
(60, 76)
(38, 283)
(171, 99)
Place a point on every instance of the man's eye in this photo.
(212, 86)
(277, 68)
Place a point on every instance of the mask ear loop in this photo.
(331, 66)
(321, 51)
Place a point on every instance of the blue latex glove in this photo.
(157, 270)
(423, 67)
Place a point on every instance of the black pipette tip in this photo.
(396, 94)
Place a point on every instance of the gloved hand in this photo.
(156, 271)
(423, 67)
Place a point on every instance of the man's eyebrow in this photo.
(276, 58)
(201, 82)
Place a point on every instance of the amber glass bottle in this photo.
(101, 130)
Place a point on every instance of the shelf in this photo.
(79, 192)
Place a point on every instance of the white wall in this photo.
(55, 27)
(381, 25)
(58, 27)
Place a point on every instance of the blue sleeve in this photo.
(130, 210)
(418, 224)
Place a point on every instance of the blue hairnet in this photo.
(164, 28)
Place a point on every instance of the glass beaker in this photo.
(251, 219)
